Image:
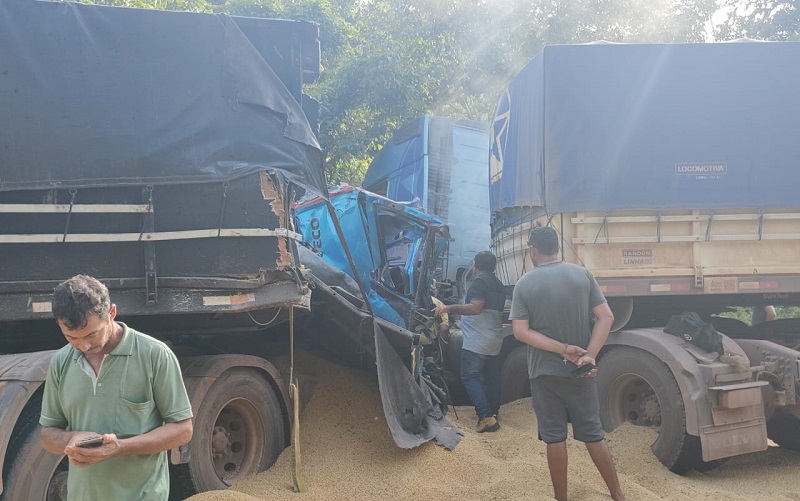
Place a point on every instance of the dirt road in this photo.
(348, 455)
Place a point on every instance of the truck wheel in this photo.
(34, 474)
(514, 382)
(636, 387)
(238, 430)
(783, 430)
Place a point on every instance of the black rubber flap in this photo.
(412, 418)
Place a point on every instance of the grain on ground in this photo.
(348, 454)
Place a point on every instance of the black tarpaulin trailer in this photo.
(154, 150)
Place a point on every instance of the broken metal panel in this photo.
(272, 190)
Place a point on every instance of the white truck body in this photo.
(689, 252)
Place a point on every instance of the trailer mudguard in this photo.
(675, 353)
(20, 377)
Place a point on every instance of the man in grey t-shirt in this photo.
(551, 312)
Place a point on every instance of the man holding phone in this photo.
(551, 312)
(114, 400)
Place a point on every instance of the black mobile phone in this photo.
(583, 370)
(90, 442)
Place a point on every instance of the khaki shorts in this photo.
(559, 400)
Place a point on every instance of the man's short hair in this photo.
(78, 297)
(485, 261)
(545, 240)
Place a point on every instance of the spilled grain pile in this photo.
(348, 454)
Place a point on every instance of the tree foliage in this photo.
(181, 5)
(760, 19)
(745, 313)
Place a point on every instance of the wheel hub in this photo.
(651, 410)
(229, 450)
(220, 442)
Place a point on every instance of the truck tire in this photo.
(784, 430)
(514, 382)
(32, 473)
(636, 387)
(238, 430)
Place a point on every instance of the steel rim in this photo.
(633, 400)
(236, 440)
(57, 487)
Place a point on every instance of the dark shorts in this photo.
(557, 400)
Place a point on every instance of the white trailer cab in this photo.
(440, 163)
(669, 172)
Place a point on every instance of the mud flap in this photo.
(410, 413)
(738, 423)
(733, 439)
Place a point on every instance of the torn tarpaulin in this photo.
(412, 418)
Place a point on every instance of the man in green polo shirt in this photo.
(113, 382)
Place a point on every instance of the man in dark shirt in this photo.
(763, 314)
(482, 331)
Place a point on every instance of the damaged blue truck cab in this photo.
(395, 248)
(395, 251)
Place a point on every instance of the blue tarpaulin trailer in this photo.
(606, 127)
